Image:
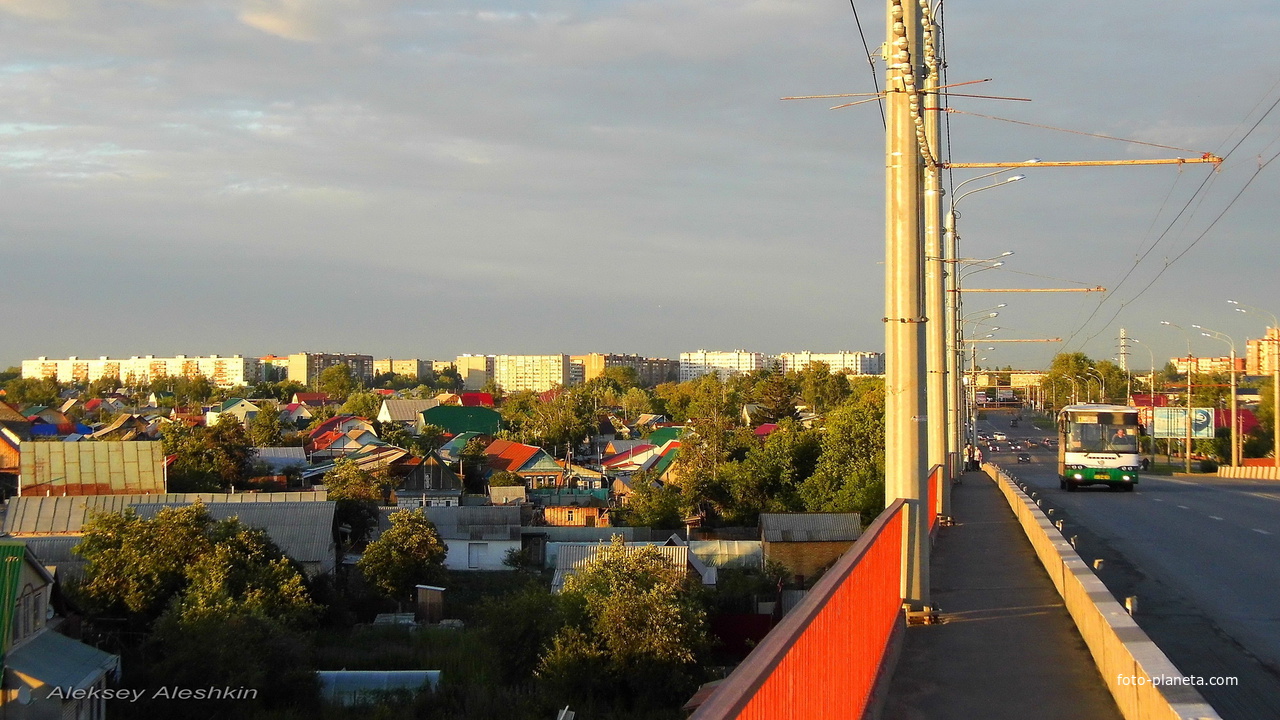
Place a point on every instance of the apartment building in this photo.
(538, 373)
(475, 370)
(139, 370)
(306, 367)
(853, 363)
(650, 371)
(1263, 355)
(694, 365)
(1207, 365)
(409, 368)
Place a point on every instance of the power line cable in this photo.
(875, 78)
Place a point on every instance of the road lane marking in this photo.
(1158, 499)
(1264, 532)
(1214, 517)
(1184, 507)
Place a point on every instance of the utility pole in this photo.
(935, 291)
(905, 472)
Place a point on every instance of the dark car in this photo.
(1024, 457)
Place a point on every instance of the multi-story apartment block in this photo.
(694, 365)
(1207, 365)
(1263, 355)
(853, 363)
(306, 367)
(409, 368)
(140, 370)
(650, 371)
(475, 370)
(538, 373)
(275, 368)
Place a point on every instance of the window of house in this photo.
(569, 516)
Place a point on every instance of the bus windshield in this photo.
(1102, 438)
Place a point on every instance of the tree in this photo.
(208, 459)
(623, 376)
(12, 373)
(410, 552)
(266, 429)
(657, 507)
(776, 397)
(505, 478)
(636, 402)
(635, 625)
(362, 404)
(30, 391)
(472, 463)
(849, 476)
(356, 494)
(337, 381)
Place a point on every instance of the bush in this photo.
(1208, 466)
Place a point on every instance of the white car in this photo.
(1000, 436)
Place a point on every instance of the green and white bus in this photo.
(1098, 445)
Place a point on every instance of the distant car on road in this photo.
(1000, 436)
(1024, 457)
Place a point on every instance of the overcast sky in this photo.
(423, 179)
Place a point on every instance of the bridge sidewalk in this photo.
(1006, 647)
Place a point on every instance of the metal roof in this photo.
(573, 556)
(55, 551)
(810, 527)
(279, 458)
(55, 660)
(474, 522)
(67, 515)
(406, 411)
(304, 530)
(91, 468)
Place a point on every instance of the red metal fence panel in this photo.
(822, 661)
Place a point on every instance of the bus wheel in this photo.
(1062, 483)
(1128, 487)
(1071, 487)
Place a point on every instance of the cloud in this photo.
(301, 20)
(38, 9)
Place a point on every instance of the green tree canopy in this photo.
(410, 552)
(338, 381)
(266, 428)
(208, 459)
(362, 404)
(636, 629)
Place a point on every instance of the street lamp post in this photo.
(953, 331)
(1190, 370)
(1235, 417)
(1275, 377)
(1102, 384)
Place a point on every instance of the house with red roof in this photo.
(314, 399)
(340, 423)
(530, 462)
(336, 444)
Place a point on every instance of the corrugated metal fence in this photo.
(823, 660)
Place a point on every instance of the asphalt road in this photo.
(1201, 555)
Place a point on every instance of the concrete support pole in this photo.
(955, 397)
(935, 291)
(906, 475)
(1235, 416)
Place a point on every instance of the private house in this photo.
(432, 484)
(629, 459)
(571, 556)
(279, 459)
(530, 462)
(37, 658)
(161, 397)
(301, 523)
(457, 419)
(314, 399)
(296, 414)
(407, 413)
(93, 468)
(808, 543)
(302, 530)
(125, 427)
(336, 444)
(239, 408)
(478, 537)
(342, 424)
(452, 450)
(592, 514)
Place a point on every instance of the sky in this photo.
(425, 179)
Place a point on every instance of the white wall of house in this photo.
(478, 554)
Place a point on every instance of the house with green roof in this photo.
(457, 419)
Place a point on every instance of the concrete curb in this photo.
(1249, 472)
(1126, 657)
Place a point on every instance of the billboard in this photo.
(1171, 422)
